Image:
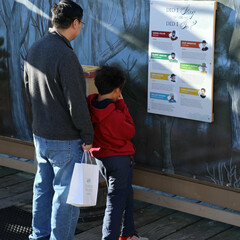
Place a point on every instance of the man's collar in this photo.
(54, 31)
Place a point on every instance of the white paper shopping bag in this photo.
(84, 185)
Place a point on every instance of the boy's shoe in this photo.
(133, 237)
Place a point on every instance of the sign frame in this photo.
(181, 59)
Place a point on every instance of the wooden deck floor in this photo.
(151, 221)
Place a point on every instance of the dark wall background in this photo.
(116, 32)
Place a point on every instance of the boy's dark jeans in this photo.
(118, 172)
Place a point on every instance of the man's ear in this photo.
(75, 23)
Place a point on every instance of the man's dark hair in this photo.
(65, 12)
(108, 78)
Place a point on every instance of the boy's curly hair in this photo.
(108, 78)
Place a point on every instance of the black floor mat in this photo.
(15, 224)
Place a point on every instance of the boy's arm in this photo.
(120, 105)
(122, 125)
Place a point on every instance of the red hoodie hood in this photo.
(99, 115)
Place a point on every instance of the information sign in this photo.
(181, 59)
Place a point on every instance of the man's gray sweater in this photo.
(55, 85)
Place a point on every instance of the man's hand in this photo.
(86, 147)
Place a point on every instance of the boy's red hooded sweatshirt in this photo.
(113, 128)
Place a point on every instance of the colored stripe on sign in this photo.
(160, 34)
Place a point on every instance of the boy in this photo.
(114, 127)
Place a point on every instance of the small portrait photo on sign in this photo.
(172, 78)
(171, 98)
(172, 57)
(173, 35)
(203, 68)
(202, 93)
(203, 45)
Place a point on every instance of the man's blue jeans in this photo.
(52, 218)
(118, 172)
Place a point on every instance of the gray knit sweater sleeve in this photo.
(74, 89)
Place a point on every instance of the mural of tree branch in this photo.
(4, 74)
(5, 117)
(234, 83)
(225, 174)
(15, 35)
(40, 23)
(98, 50)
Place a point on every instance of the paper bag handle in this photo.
(86, 155)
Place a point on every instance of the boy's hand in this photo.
(86, 147)
(120, 97)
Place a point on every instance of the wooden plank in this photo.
(17, 164)
(16, 189)
(139, 208)
(188, 207)
(93, 234)
(86, 226)
(189, 188)
(7, 171)
(231, 234)
(150, 214)
(203, 229)
(17, 148)
(142, 216)
(11, 180)
(167, 225)
(16, 199)
(139, 205)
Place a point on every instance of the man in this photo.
(172, 100)
(173, 77)
(203, 93)
(204, 66)
(174, 37)
(62, 128)
(204, 46)
(173, 58)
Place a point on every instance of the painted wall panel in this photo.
(116, 32)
